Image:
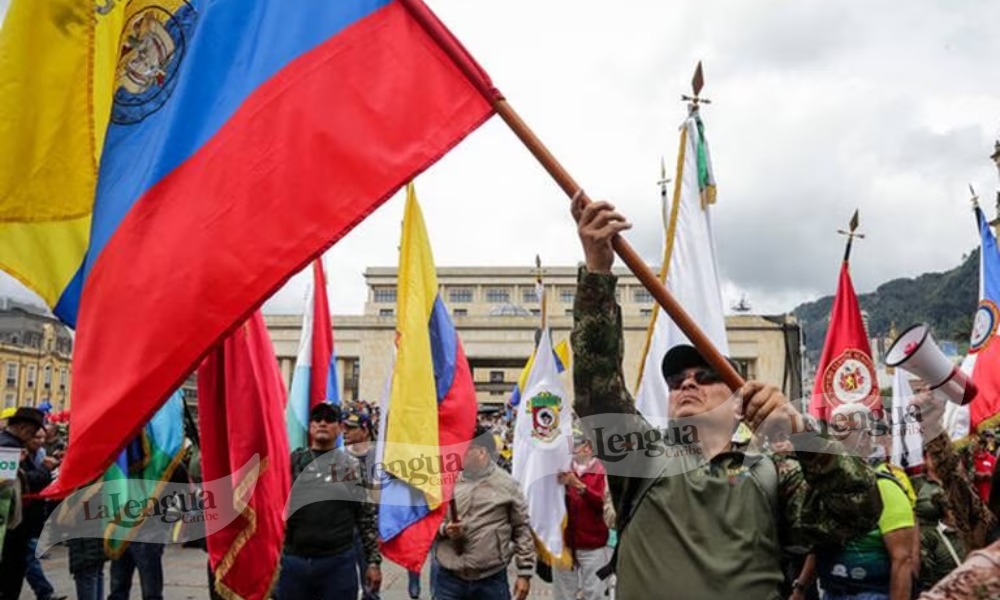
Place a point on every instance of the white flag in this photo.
(692, 273)
(542, 449)
(906, 439)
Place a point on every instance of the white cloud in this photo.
(819, 108)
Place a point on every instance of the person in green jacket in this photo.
(700, 515)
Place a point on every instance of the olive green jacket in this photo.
(705, 529)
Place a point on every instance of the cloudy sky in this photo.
(818, 108)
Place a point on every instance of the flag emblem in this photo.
(984, 327)
(850, 377)
(153, 47)
(545, 416)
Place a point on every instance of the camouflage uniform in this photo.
(973, 519)
(711, 529)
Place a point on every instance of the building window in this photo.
(536, 311)
(63, 378)
(646, 312)
(529, 295)
(31, 376)
(10, 400)
(12, 375)
(47, 379)
(747, 367)
(461, 312)
(498, 295)
(568, 312)
(385, 295)
(461, 295)
(385, 312)
(642, 296)
(567, 295)
(496, 376)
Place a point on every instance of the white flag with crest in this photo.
(542, 449)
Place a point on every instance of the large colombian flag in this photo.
(431, 414)
(245, 138)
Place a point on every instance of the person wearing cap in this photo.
(358, 441)
(326, 506)
(709, 518)
(586, 534)
(15, 533)
(484, 528)
(881, 563)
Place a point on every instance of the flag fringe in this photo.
(563, 561)
(250, 515)
(109, 548)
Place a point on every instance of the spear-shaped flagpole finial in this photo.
(851, 234)
(697, 83)
(975, 197)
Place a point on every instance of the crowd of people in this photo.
(781, 512)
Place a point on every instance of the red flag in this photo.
(322, 387)
(846, 374)
(241, 401)
(984, 346)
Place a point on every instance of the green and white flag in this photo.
(690, 269)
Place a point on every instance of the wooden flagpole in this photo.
(450, 46)
(624, 250)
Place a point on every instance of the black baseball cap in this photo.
(28, 414)
(325, 409)
(685, 356)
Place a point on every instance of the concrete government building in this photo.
(497, 313)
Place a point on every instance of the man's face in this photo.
(476, 459)
(697, 391)
(582, 452)
(324, 429)
(355, 435)
(23, 431)
(37, 441)
(853, 428)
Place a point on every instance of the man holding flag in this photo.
(486, 527)
(709, 519)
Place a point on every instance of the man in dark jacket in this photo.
(327, 505)
(21, 428)
(703, 516)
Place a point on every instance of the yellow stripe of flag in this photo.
(412, 429)
(57, 65)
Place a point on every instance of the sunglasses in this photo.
(325, 419)
(701, 377)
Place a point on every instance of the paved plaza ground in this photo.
(184, 575)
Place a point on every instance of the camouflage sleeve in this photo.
(827, 497)
(602, 401)
(973, 518)
(598, 347)
(367, 523)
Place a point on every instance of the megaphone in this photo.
(916, 352)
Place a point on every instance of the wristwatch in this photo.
(798, 586)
